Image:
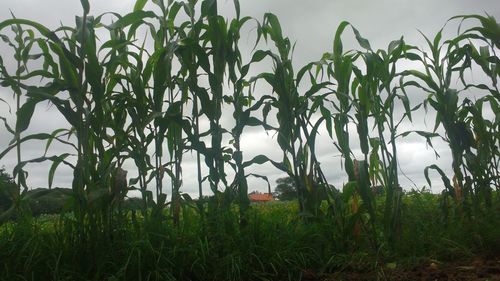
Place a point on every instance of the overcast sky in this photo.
(311, 24)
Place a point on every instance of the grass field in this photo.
(275, 245)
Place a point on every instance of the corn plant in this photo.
(484, 174)
(21, 46)
(296, 133)
(381, 72)
(354, 91)
(452, 112)
(86, 108)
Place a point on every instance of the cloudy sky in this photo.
(311, 24)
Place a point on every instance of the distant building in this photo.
(258, 197)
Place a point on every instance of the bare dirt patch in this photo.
(479, 268)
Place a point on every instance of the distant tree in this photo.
(8, 190)
(285, 189)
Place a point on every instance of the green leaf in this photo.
(132, 18)
(7, 126)
(41, 136)
(252, 121)
(394, 44)
(18, 169)
(237, 8)
(412, 57)
(24, 115)
(174, 10)
(187, 197)
(53, 134)
(68, 70)
(12, 22)
(85, 6)
(362, 41)
(437, 39)
(428, 80)
(337, 42)
(444, 178)
(349, 190)
(55, 164)
(364, 188)
(274, 23)
(139, 5)
(259, 55)
(261, 159)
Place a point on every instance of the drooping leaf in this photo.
(132, 18)
(24, 115)
(55, 163)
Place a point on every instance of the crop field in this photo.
(153, 87)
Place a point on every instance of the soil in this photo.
(479, 268)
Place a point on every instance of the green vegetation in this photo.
(285, 189)
(274, 245)
(9, 190)
(142, 94)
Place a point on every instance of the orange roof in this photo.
(260, 197)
